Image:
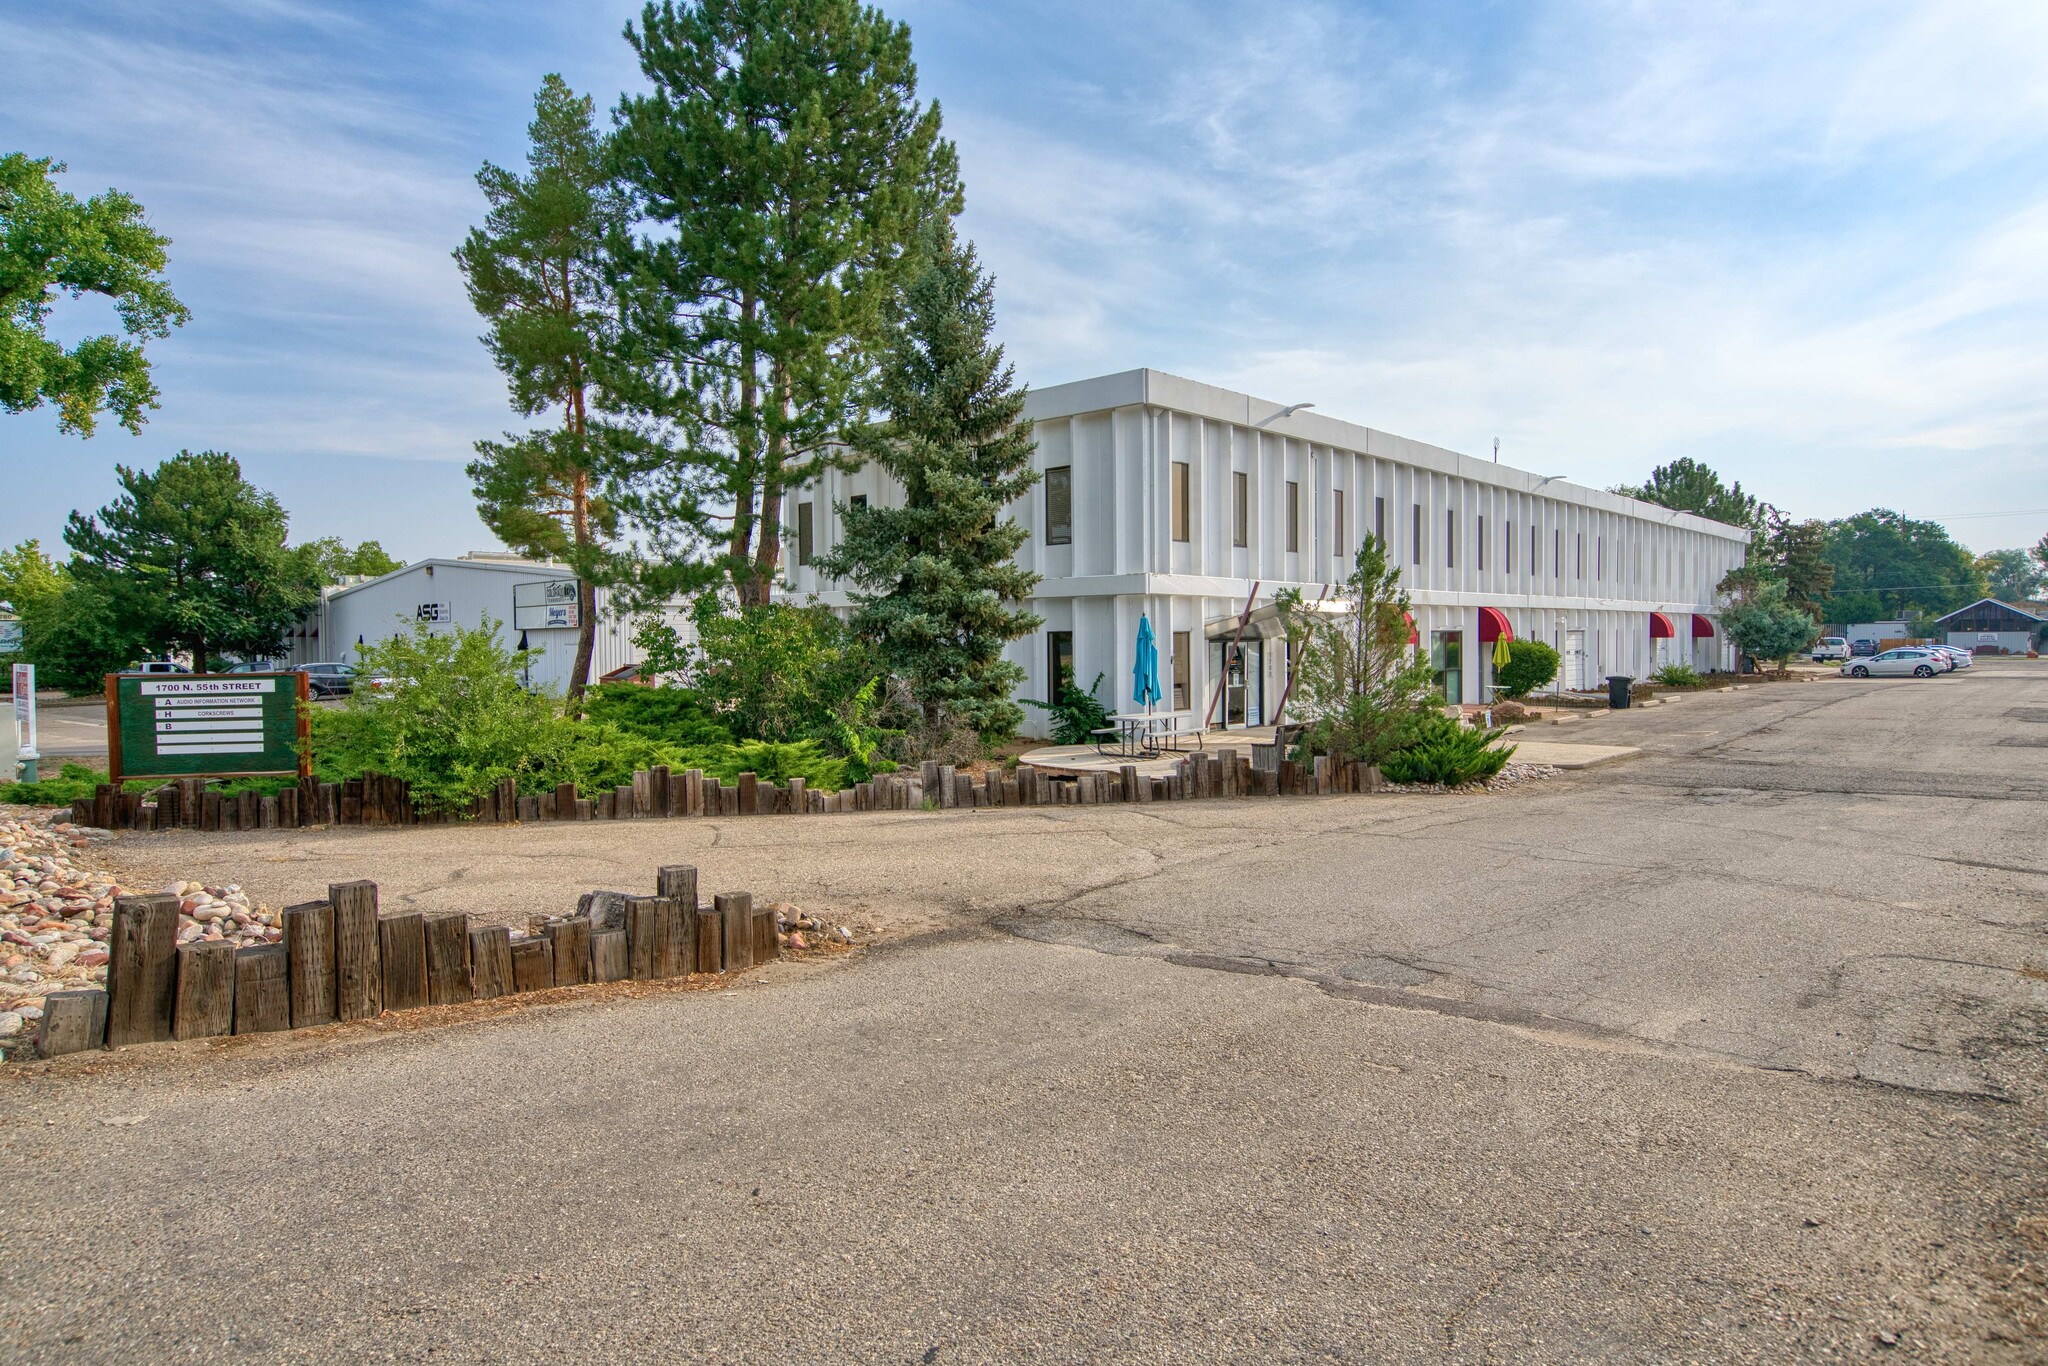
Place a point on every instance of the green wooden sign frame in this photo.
(208, 726)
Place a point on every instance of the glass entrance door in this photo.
(1242, 669)
(1447, 654)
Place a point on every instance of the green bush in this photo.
(454, 723)
(1076, 716)
(1447, 752)
(72, 782)
(680, 716)
(1530, 665)
(1677, 676)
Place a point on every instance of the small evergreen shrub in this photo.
(72, 782)
(1677, 676)
(1447, 752)
(1077, 715)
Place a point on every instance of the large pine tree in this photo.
(936, 581)
(784, 166)
(536, 272)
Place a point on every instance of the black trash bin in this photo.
(1617, 689)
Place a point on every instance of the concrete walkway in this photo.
(1558, 754)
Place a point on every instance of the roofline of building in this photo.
(1159, 389)
(540, 567)
(2026, 612)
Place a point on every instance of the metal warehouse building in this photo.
(533, 602)
(1193, 503)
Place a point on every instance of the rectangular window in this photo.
(1450, 539)
(1183, 683)
(1479, 544)
(1379, 521)
(1600, 558)
(1507, 546)
(1059, 505)
(1293, 517)
(1534, 553)
(1579, 555)
(803, 533)
(1180, 500)
(1337, 523)
(1557, 556)
(1059, 663)
(1415, 536)
(1240, 508)
(859, 500)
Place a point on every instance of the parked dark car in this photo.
(1862, 648)
(329, 680)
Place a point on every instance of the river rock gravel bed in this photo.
(57, 909)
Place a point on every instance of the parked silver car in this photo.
(1907, 661)
(1958, 657)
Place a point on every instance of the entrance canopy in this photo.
(1493, 625)
(1702, 627)
(1661, 627)
(1264, 623)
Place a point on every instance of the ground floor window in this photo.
(1182, 665)
(1059, 649)
(1447, 657)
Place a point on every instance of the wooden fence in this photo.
(658, 793)
(341, 959)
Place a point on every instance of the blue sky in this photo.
(1805, 243)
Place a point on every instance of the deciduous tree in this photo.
(331, 560)
(54, 244)
(1364, 688)
(785, 164)
(938, 588)
(537, 272)
(2014, 575)
(1887, 565)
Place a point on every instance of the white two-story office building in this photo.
(1198, 505)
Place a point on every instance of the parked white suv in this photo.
(1830, 647)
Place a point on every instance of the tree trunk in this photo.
(586, 593)
(745, 462)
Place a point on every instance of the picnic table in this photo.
(1138, 735)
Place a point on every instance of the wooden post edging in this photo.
(341, 960)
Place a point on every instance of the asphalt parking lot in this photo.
(1731, 1052)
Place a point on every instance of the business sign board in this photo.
(546, 605)
(206, 725)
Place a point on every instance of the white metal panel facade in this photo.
(1556, 559)
(446, 592)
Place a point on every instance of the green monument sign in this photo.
(205, 725)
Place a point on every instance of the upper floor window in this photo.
(803, 533)
(1557, 555)
(1180, 500)
(1240, 508)
(1379, 521)
(1600, 558)
(1059, 505)
(1337, 540)
(1479, 544)
(1293, 517)
(1507, 546)
(1450, 539)
(1415, 536)
(1579, 555)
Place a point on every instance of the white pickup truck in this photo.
(1830, 647)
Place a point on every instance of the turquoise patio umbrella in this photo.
(1145, 673)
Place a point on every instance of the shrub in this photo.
(1077, 715)
(680, 716)
(1362, 686)
(454, 723)
(1677, 676)
(1530, 665)
(72, 782)
(1447, 752)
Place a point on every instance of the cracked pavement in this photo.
(1731, 1053)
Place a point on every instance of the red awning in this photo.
(1661, 627)
(1493, 625)
(1414, 636)
(1702, 627)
